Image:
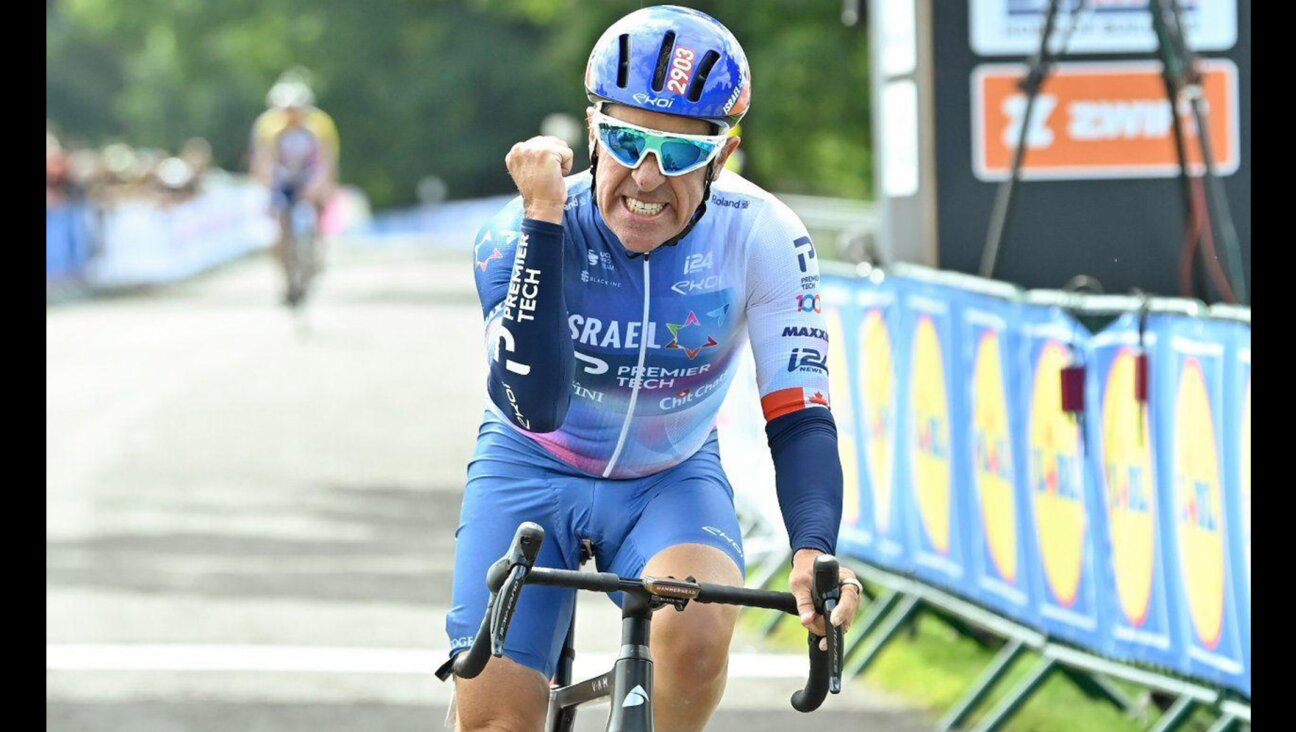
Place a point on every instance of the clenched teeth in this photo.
(643, 208)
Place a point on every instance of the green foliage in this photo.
(421, 87)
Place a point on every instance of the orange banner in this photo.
(1099, 120)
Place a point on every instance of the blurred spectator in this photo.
(197, 153)
(58, 183)
(119, 172)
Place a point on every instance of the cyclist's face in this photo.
(620, 188)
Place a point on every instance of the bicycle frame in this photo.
(630, 682)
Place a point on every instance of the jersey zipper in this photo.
(638, 375)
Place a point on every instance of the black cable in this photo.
(1182, 78)
(1038, 71)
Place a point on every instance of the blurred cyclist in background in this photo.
(294, 154)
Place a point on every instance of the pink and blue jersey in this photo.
(656, 337)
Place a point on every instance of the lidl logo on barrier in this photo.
(993, 456)
(1130, 482)
(1245, 454)
(1199, 504)
(929, 448)
(1056, 477)
(879, 403)
(844, 416)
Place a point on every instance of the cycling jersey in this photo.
(295, 154)
(274, 122)
(657, 336)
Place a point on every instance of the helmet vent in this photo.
(623, 68)
(703, 71)
(663, 61)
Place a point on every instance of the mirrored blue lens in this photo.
(678, 155)
(624, 143)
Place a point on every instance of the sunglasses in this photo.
(676, 153)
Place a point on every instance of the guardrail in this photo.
(146, 241)
(1083, 494)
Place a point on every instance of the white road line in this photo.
(338, 660)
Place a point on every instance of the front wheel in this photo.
(300, 261)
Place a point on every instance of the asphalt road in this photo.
(250, 516)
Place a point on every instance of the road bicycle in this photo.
(301, 249)
(629, 684)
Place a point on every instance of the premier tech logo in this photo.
(805, 252)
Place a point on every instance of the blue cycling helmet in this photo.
(673, 60)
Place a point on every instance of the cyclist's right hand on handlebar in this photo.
(801, 582)
(538, 166)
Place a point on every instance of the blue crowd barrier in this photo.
(1000, 541)
(140, 241)
(453, 224)
(1135, 580)
(1119, 523)
(68, 242)
(1188, 406)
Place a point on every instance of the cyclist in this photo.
(294, 154)
(617, 302)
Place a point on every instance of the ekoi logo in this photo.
(662, 102)
(675, 329)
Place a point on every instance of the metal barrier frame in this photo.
(903, 599)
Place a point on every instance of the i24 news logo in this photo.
(807, 359)
(696, 262)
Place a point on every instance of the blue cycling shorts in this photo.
(511, 479)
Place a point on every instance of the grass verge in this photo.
(932, 664)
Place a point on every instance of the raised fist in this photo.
(538, 166)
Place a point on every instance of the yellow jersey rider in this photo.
(294, 154)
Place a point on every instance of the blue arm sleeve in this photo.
(808, 477)
(532, 358)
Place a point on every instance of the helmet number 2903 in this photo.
(681, 69)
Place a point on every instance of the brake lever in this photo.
(506, 578)
(826, 593)
(825, 666)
